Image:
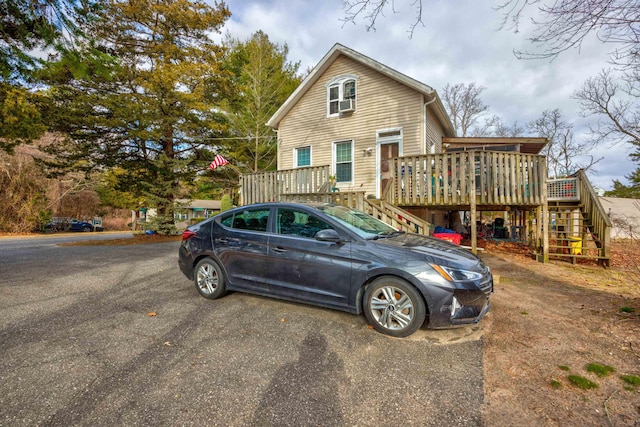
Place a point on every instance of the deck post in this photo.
(472, 206)
(539, 230)
(545, 213)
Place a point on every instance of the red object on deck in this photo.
(451, 237)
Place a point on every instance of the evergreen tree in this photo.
(26, 26)
(262, 79)
(20, 118)
(631, 191)
(48, 28)
(153, 114)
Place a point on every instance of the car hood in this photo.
(433, 250)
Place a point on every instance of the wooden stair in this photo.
(396, 217)
(579, 228)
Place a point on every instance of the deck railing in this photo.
(270, 186)
(352, 199)
(563, 190)
(454, 179)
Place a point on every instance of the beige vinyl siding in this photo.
(381, 103)
(435, 132)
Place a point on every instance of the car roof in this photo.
(286, 204)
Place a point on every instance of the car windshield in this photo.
(361, 223)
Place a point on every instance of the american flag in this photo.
(218, 161)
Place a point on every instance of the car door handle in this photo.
(279, 250)
(222, 240)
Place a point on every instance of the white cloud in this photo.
(460, 43)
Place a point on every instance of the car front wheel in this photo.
(394, 307)
(209, 279)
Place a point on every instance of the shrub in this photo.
(226, 203)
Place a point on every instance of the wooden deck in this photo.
(473, 181)
(457, 181)
(276, 185)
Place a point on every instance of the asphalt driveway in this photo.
(96, 335)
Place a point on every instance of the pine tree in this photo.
(262, 79)
(154, 113)
(631, 191)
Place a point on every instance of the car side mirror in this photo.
(328, 235)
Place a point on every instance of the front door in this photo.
(387, 151)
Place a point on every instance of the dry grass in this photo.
(576, 316)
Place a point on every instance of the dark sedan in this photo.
(70, 225)
(340, 258)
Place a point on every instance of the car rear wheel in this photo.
(394, 307)
(209, 279)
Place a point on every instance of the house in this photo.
(354, 114)
(190, 211)
(358, 132)
(187, 212)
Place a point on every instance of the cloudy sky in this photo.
(460, 43)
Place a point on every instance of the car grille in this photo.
(487, 285)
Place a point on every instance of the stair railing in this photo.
(397, 217)
(600, 221)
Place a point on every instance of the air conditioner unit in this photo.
(347, 105)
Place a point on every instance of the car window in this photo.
(363, 224)
(249, 219)
(297, 223)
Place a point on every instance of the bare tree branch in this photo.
(464, 105)
(565, 24)
(618, 103)
(562, 150)
(371, 10)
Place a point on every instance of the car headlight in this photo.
(456, 274)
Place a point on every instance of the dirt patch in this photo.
(547, 323)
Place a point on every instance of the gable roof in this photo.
(198, 203)
(331, 56)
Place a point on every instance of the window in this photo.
(344, 163)
(349, 90)
(389, 134)
(301, 224)
(255, 220)
(334, 99)
(340, 89)
(303, 157)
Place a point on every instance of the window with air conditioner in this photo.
(341, 95)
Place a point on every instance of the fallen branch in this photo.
(606, 409)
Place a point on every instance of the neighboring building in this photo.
(625, 216)
(190, 211)
(187, 212)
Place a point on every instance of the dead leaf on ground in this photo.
(152, 314)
